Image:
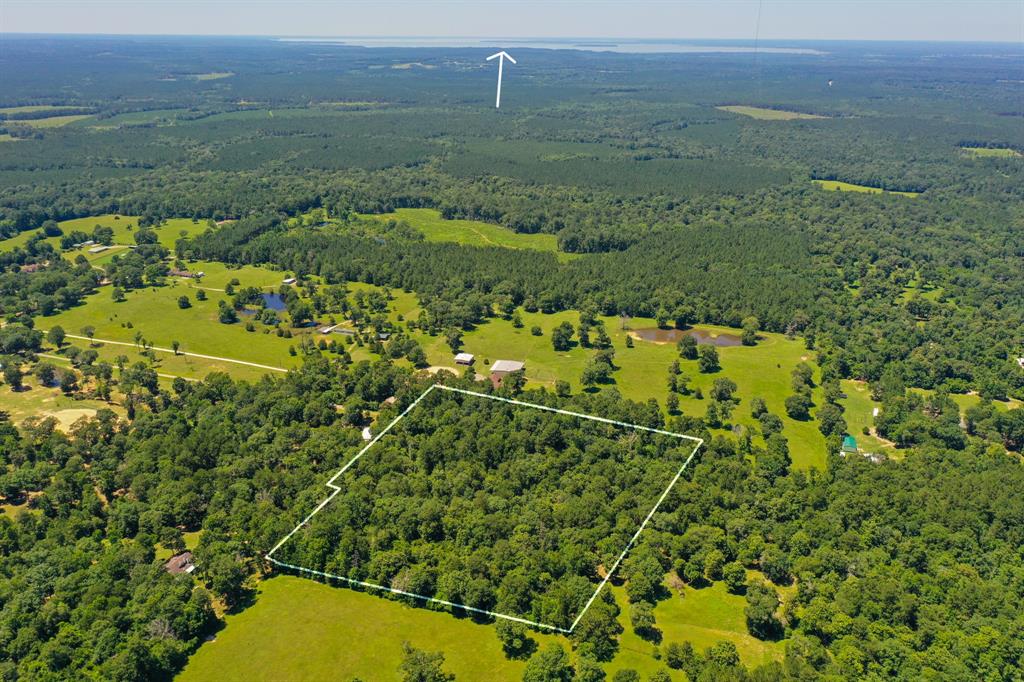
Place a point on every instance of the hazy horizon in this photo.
(995, 21)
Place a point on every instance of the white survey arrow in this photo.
(502, 56)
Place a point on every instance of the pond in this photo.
(656, 335)
(273, 301)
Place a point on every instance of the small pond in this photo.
(702, 336)
(271, 301)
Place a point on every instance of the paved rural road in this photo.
(180, 352)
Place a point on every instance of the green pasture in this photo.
(51, 121)
(765, 114)
(32, 108)
(154, 313)
(300, 629)
(470, 232)
(168, 365)
(839, 186)
(992, 152)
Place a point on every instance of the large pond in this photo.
(702, 336)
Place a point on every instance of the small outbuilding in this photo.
(464, 359)
(98, 249)
(180, 563)
(289, 281)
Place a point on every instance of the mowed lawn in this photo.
(470, 232)
(766, 114)
(763, 370)
(839, 186)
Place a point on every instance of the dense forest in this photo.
(494, 506)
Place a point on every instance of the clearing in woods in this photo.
(840, 186)
(992, 152)
(766, 114)
(470, 232)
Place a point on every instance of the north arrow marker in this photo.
(502, 56)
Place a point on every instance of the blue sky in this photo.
(976, 20)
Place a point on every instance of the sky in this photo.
(960, 20)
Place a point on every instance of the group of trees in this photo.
(499, 544)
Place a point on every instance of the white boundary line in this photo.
(337, 489)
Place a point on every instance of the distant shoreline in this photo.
(625, 45)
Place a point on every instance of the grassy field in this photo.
(123, 226)
(701, 617)
(992, 152)
(43, 401)
(765, 114)
(763, 370)
(966, 400)
(135, 118)
(299, 628)
(839, 186)
(52, 121)
(471, 232)
(154, 313)
(32, 108)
